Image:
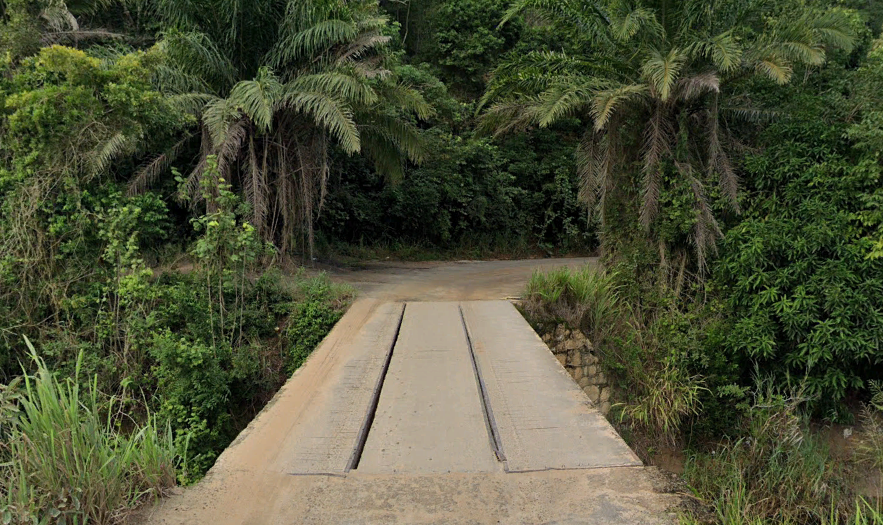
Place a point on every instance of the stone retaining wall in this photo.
(574, 350)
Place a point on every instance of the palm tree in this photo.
(649, 77)
(26, 25)
(276, 83)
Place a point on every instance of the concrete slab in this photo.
(324, 431)
(543, 419)
(429, 418)
(614, 496)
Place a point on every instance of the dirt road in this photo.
(428, 403)
(448, 281)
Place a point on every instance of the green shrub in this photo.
(806, 298)
(467, 42)
(195, 396)
(471, 196)
(311, 317)
(66, 458)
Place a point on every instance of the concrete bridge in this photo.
(427, 411)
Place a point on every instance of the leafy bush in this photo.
(194, 394)
(311, 317)
(71, 124)
(467, 42)
(471, 194)
(66, 459)
(806, 298)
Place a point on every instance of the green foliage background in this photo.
(158, 165)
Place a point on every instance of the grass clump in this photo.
(585, 298)
(67, 457)
(870, 447)
(778, 471)
(775, 473)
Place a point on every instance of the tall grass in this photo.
(65, 458)
(585, 298)
(870, 447)
(669, 395)
(777, 473)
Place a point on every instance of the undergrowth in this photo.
(752, 456)
(69, 456)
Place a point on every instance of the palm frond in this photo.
(706, 230)
(340, 83)
(775, 68)
(311, 42)
(625, 25)
(586, 16)
(198, 54)
(724, 51)
(191, 103)
(749, 113)
(403, 135)
(662, 71)
(589, 167)
(58, 18)
(565, 99)
(329, 113)
(807, 52)
(255, 187)
(231, 147)
(509, 116)
(719, 161)
(385, 156)
(58, 37)
(536, 72)
(606, 101)
(217, 117)
(175, 81)
(406, 99)
(657, 145)
(257, 98)
(834, 28)
(358, 47)
(698, 84)
(116, 146)
(147, 174)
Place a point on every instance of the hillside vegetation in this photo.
(162, 161)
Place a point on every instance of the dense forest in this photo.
(165, 164)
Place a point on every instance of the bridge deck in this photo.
(433, 387)
(544, 420)
(429, 419)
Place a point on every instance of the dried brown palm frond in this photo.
(657, 146)
(152, 170)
